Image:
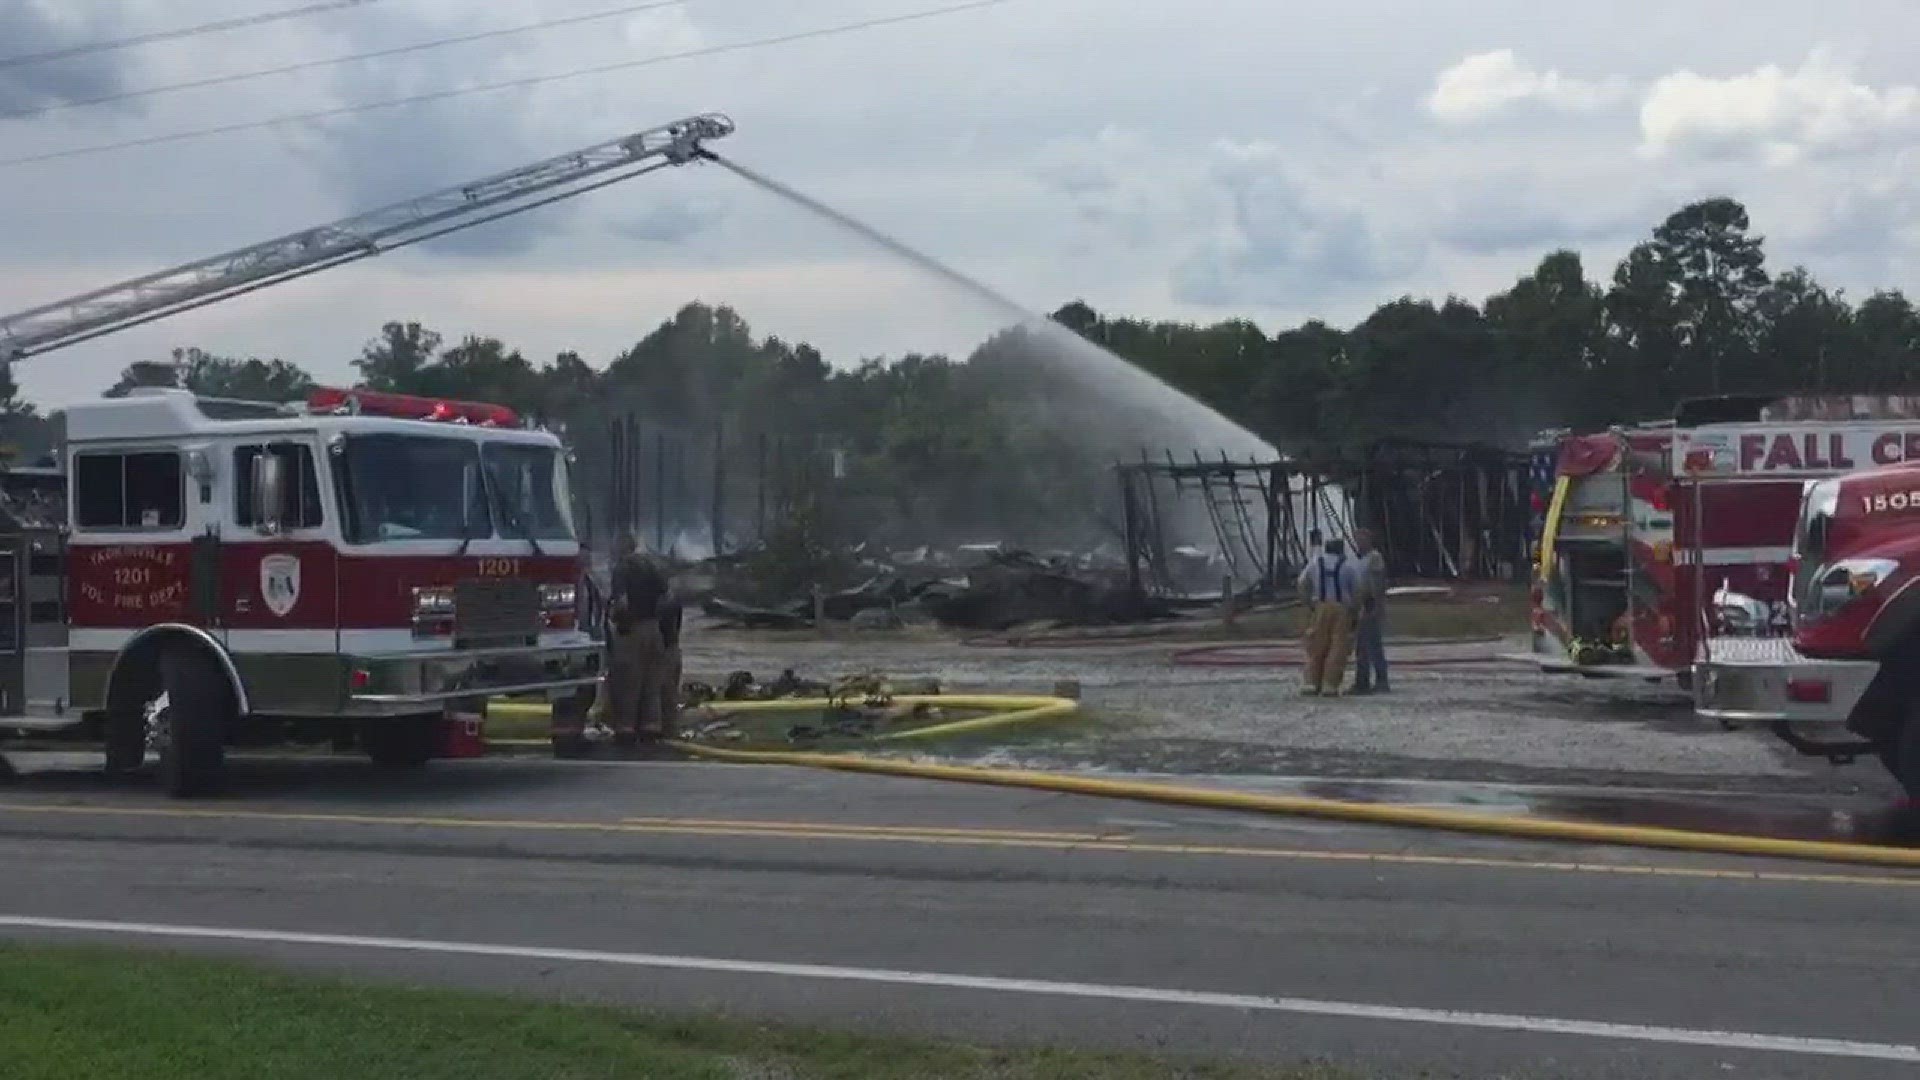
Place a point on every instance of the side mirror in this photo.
(269, 482)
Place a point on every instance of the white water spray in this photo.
(1120, 409)
(1103, 409)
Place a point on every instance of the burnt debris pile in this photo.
(979, 587)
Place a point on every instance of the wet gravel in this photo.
(1484, 721)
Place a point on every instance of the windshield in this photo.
(530, 490)
(412, 487)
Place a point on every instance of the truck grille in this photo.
(495, 611)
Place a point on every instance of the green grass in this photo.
(126, 1015)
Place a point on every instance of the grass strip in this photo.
(119, 1014)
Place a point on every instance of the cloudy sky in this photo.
(1200, 159)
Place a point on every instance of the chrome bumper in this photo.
(406, 682)
(1748, 681)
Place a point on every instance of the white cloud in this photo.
(1779, 113)
(1241, 223)
(1276, 233)
(1295, 174)
(1491, 82)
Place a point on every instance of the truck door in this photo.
(279, 572)
(202, 521)
(13, 624)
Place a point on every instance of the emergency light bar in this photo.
(326, 399)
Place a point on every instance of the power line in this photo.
(305, 65)
(183, 32)
(532, 80)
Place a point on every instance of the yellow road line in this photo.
(884, 830)
(967, 838)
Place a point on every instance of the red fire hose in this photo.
(1413, 654)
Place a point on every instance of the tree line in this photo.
(1692, 310)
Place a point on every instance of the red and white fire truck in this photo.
(1715, 549)
(355, 569)
(364, 569)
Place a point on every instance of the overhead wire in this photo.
(332, 61)
(235, 23)
(507, 84)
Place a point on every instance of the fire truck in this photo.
(359, 569)
(1852, 658)
(1723, 550)
(351, 570)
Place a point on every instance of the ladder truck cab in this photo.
(346, 571)
(361, 570)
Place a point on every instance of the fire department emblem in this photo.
(280, 582)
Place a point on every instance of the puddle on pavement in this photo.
(1742, 815)
(1784, 817)
(1791, 818)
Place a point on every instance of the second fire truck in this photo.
(1682, 551)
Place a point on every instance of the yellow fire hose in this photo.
(1007, 709)
(1018, 710)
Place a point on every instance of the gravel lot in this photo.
(1491, 721)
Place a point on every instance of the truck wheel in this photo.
(1901, 754)
(568, 728)
(190, 726)
(402, 743)
(126, 739)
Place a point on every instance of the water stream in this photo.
(1114, 407)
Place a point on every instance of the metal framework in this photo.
(1438, 511)
(207, 281)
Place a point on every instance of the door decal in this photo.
(280, 582)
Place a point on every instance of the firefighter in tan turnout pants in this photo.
(642, 691)
(1332, 586)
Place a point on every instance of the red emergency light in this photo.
(327, 399)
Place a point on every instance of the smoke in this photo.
(1501, 416)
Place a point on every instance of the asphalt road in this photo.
(905, 905)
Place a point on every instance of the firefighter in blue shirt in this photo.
(1332, 586)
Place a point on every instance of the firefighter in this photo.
(1332, 587)
(1369, 647)
(642, 670)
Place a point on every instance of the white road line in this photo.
(1724, 1040)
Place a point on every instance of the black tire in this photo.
(200, 710)
(1900, 753)
(572, 707)
(401, 743)
(125, 733)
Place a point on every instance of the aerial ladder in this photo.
(221, 277)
